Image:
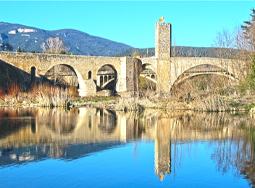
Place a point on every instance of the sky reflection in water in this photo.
(98, 148)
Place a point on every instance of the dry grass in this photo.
(214, 103)
(139, 104)
(128, 104)
(51, 96)
(41, 94)
(72, 91)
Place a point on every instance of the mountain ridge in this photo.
(80, 43)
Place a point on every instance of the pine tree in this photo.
(248, 24)
(19, 50)
(23, 50)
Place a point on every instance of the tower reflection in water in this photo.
(35, 134)
(162, 149)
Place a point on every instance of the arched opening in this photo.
(61, 75)
(101, 81)
(89, 75)
(202, 80)
(33, 74)
(147, 77)
(107, 78)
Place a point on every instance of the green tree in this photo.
(249, 32)
(23, 50)
(249, 83)
(19, 50)
(248, 24)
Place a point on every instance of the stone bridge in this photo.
(174, 70)
(31, 66)
(167, 71)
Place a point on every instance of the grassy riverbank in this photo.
(50, 96)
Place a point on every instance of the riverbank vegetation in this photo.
(37, 95)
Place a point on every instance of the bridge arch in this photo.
(148, 76)
(80, 80)
(202, 69)
(148, 66)
(107, 77)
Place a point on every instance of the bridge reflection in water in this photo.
(35, 134)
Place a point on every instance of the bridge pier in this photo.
(88, 89)
(164, 76)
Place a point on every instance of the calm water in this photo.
(89, 147)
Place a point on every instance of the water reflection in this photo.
(36, 134)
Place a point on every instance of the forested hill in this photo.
(31, 38)
(181, 51)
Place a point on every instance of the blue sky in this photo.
(194, 23)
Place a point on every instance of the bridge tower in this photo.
(163, 40)
(163, 55)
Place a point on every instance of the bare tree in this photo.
(55, 45)
(223, 43)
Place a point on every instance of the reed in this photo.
(52, 96)
(213, 103)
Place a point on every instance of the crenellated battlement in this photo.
(163, 24)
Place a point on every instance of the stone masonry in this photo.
(169, 70)
(162, 40)
(81, 65)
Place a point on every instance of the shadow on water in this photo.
(28, 135)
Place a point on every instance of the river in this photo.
(91, 147)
